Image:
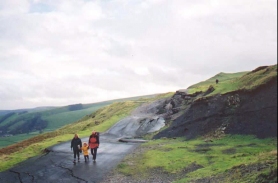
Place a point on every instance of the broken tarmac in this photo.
(57, 166)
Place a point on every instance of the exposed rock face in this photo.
(192, 115)
(239, 112)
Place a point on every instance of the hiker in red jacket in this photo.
(94, 144)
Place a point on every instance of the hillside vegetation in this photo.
(100, 120)
(229, 159)
(226, 80)
(18, 125)
(236, 81)
(225, 132)
(213, 136)
(15, 127)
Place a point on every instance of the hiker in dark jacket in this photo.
(94, 144)
(76, 144)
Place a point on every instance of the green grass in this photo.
(15, 125)
(226, 82)
(106, 117)
(260, 77)
(58, 120)
(5, 141)
(11, 118)
(236, 81)
(9, 160)
(174, 155)
(58, 117)
(171, 155)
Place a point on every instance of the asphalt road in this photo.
(57, 166)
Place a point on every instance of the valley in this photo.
(219, 132)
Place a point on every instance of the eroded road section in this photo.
(57, 165)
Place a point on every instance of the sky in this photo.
(62, 52)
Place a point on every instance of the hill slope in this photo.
(21, 124)
(249, 107)
(214, 134)
(100, 120)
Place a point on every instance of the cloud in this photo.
(64, 52)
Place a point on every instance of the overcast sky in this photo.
(61, 52)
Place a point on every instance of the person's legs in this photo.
(92, 152)
(95, 154)
(78, 155)
(86, 157)
(74, 155)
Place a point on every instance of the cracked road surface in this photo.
(57, 165)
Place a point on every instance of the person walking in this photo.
(85, 149)
(76, 145)
(94, 144)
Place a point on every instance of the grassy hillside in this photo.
(37, 109)
(6, 141)
(100, 120)
(225, 80)
(63, 113)
(225, 158)
(230, 159)
(23, 124)
(236, 81)
(257, 77)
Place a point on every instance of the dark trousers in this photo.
(86, 157)
(76, 152)
(94, 153)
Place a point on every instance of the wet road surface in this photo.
(57, 166)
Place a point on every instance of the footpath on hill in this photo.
(57, 165)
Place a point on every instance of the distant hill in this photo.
(211, 133)
(21, 124)
(37, 109)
